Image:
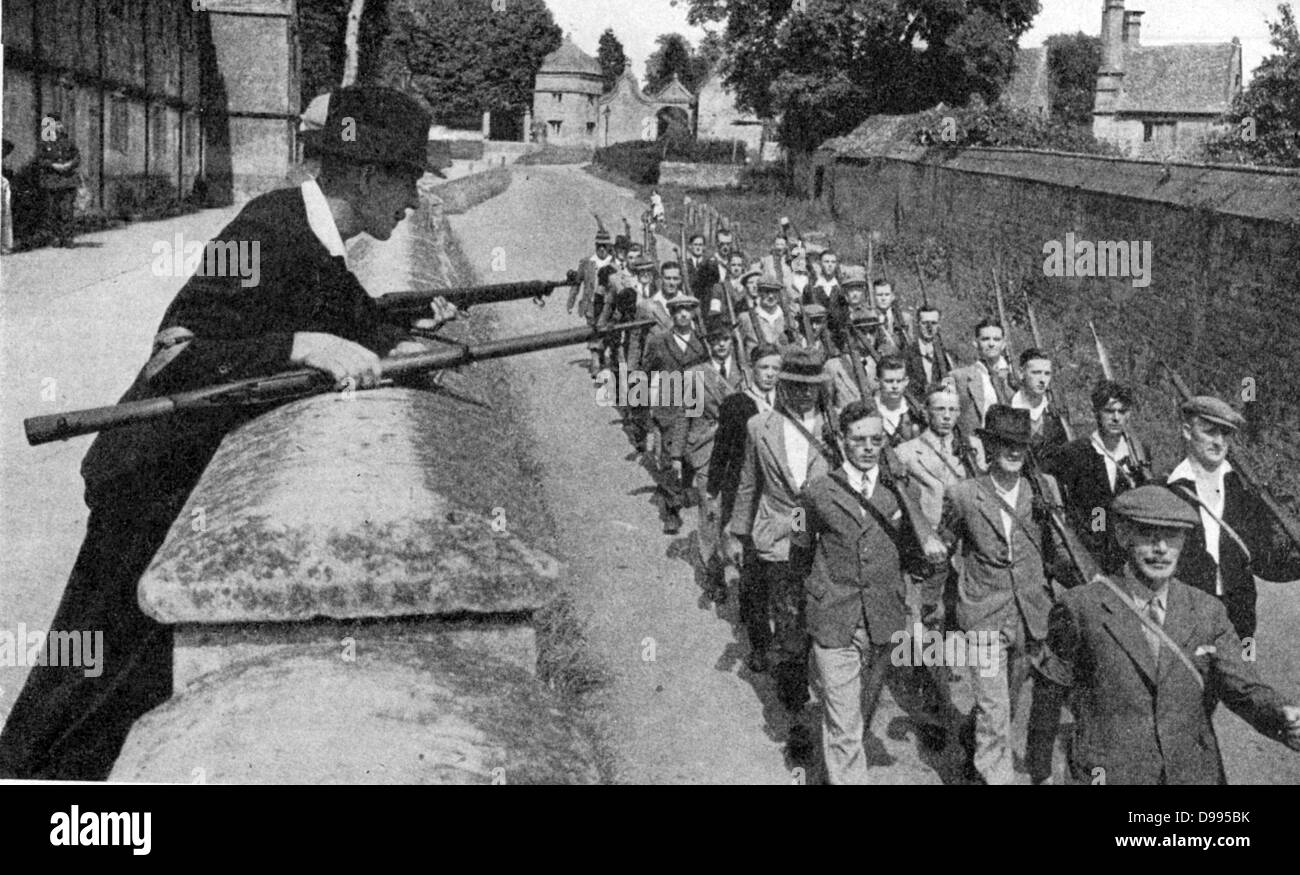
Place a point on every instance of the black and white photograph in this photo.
(652, 392)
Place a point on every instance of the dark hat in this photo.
(602, 234)
(770, 283)
(853, 275)
(1155, 505)
(621, 242)
(716, 326)
(641, 263)
(370, 124)
(803, 366)
(814, 311)
(1210, 408)
(1011, 425)
(681, 301)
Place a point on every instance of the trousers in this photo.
(849, 702)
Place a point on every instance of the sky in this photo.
(638, 22)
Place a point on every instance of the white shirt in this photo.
(1209, 489)
(863, 482)
(927, 358)
(761, 398)
(725, 368)
(990, 393)
(1020, 401)
(682, 342)
(1010, 496)
(321, 220)
(892, 418)
(1111, 459)
(798, 451)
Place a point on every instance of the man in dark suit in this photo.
(1093, 470)
(725, 463)
(1149, 658)
(307, 310)
(668, 357)
(1035, 395)
(58, 159)
(1235, 541)
(851, 553)
(982, 384)
(927, 360)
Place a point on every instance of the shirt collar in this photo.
(321, 220)
(1190, 470)
(1142, 594)
(1121, 449)
(857, 478)
(1019, 400)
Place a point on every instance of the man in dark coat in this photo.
(59, 160)
(307, 310)
(1235, 541)
(1149, 658)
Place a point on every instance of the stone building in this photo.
(570, 110)
(720, 120)
(1160, 101)
(157, 88)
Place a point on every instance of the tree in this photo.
(351, 36)
(322, 33)
(823, 66)
(611, 58)
(467, 57)
(1072, 64)
(672, 58)
(1264, 125)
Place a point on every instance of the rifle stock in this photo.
(1060, 412)
(292, 384)
(414, 305)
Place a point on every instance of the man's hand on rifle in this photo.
(350, 364)
(409, 347)
(442, 313)
(935, 551)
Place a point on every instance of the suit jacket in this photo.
(588, 287)
(664, 355)
(969, 382)
(238, 332)
(852, 565)
(1143, 720)
(1273, 558)
(1048, 438)
(1085, 487)
(933, 470)
(693, 435)
(910, 425)
(780, 331)
(768, 492)
(993, 588)
(728, 456)
(916, 366)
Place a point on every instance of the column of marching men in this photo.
(864, 485)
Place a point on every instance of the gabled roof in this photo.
(674, 92)
(882, 135)
(627, 82)
(568, 58)
(1191, 78)
(1028, 88)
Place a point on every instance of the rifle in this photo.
(892, 470)
(1247, 472)
(1136, 451)
(1002, 318)
(1061, 414)
(293, 384)
(1084, 564)
(403, 306)
(737, 337)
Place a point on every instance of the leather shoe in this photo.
(673, 524)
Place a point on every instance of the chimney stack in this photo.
(1110, 75)
(1133, 29)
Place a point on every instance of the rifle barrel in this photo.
(416, 303)
(292, 384)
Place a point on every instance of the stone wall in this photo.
(1221, 306)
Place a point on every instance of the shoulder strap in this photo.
(1154, 627)
(816, 442)
(890, 529)
(1195, 499)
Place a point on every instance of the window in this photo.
(557, 97)
(555, 126)
(591, 127)
(119, 125)
(591, 100)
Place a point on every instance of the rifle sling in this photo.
(1195, 499)
(1154, 627)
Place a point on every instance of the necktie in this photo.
(1156, 613)
(1000, 387)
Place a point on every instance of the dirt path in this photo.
(689, 714)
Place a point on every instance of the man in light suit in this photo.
(590, 294)
(718, 378)
(785, 448)
(1149, 658)
(668, 353)
(1007, 551)
(853, 370)
(851, 553)
(982, 384)
(768, 322)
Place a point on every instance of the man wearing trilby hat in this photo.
(308, 310)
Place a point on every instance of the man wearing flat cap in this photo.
(307, 310)
(785, 448)
(1148, 658)
(1008, 553)
(668, 356)
(1234, 542)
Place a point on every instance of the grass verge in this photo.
(459, 195)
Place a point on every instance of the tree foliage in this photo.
(825, 65)
(1072, 64)
(465, 57)
(676, 56)
(980, 124)
(321, 26)
(611, 58)
(1264, 125)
